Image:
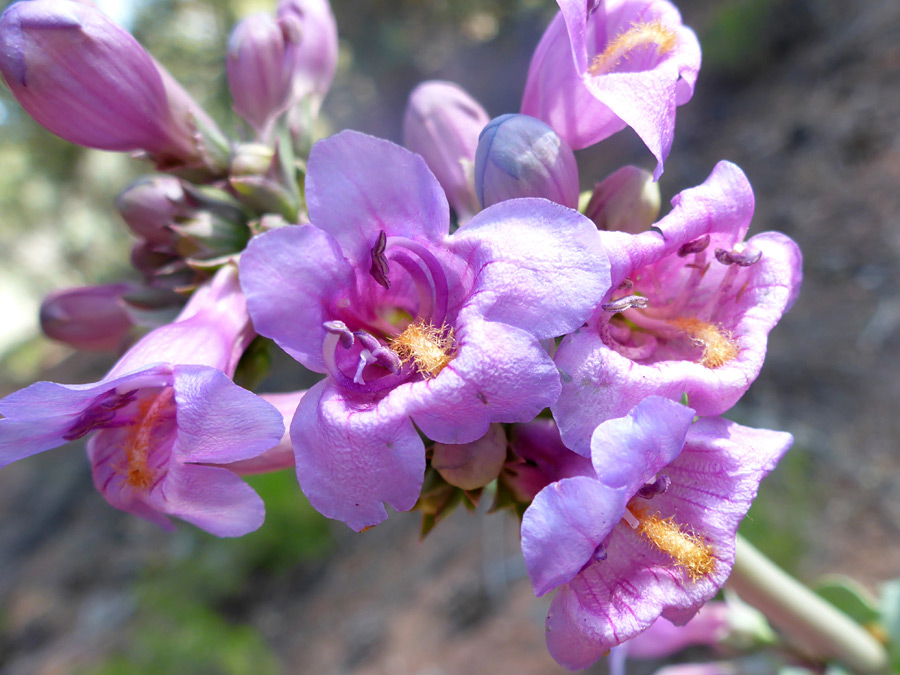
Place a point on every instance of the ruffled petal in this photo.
(351, 459)
(291, 277)
(500, 374)
(563, 527)
(628, 451)
(220, 422)
(358, 186)
(600, 384)
(546, 279)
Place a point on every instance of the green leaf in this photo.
(849, 596)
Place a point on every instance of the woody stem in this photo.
(814, 626)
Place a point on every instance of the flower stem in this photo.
(813, 625)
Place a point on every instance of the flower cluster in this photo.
(472, 328)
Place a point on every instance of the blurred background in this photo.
(804, 95)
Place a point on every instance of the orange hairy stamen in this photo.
(428, 347)
(139, 441)
(640, 34)
(719, 346)
(689, 551)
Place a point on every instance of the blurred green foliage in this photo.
(186, 621)
(777, 523)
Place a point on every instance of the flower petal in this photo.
(628, 451)
(358, 186)
(563, 527)
(288, 275)
(547, 278)
(220, 422)
(211, 498)
(500, 374)
(351, 459)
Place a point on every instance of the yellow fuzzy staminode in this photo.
(719, 347)
(640, 34)
(429, 348)
(689, 551)
(137, 470)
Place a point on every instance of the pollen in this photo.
(428, 347)
(689, 551)
(719, 346)
(151, 411)
(640, 34)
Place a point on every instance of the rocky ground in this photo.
(809, 108)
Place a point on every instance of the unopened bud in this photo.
(442, 123)
(87, 80)
(208, 235)
(92, 318)
(150, 205)
(260, 66)
(625, 201)
(520, 156)
(472, 465)
(316, 56)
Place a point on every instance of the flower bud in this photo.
(472, 465)
(260, 65)
(150, 205)
(87, 80)
(520, 156)
(442, 123)
(210, 235)
(626, 201)
(92, 318)
(317, 54)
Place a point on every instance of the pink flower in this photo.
(690, 311)
(602, 66)
(160, 417)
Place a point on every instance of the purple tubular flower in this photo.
(260, 66)
(158, 419)
(316, 57)
(442, 123)
(664, 556)
(700, 327)
(603, 66)
(88, 81)
(92, 318)
(410, 324)
(520, 156)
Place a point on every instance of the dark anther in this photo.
(600, 553)
(380, 269)
(626, 285)
(340, 329)
(695, 246)
(628, 302)
(739, 258)
(657, 487)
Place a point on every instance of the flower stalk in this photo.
(814, 626)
